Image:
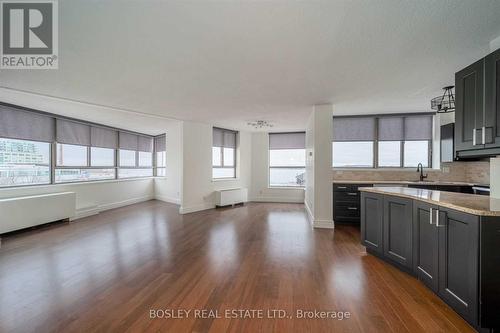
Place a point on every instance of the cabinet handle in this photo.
(431, 210)
(352, 208)
(437, 219)
(352, 193)
(483, 135)
(474, 137)
(342, 187)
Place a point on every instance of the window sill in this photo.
(215, 180)
(287, 188)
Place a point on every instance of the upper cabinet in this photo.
(477, 114)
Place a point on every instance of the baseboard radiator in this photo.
(24, 212)
(231, 196)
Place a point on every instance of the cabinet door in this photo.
(492, 100)
(398, 215)
(425, 244)
(458, 261)
(469, 117)
(372, 213)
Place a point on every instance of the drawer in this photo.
(351, 196)
(349, 187)
(347, 210)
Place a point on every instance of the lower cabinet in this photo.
(372, 214)
(398, 230)
(425, 244)
(453, 253)
(458, 261)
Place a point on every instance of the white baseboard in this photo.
(277, 199)
(94, 210)
(195, 208)
(320, 224)
(168, 199)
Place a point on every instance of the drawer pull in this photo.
(342, 187)
(352, 208)
(352, 193)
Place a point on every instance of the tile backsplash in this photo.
(472, 172)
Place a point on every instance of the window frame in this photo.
(136, 167)
(222, 166)
(375, 162)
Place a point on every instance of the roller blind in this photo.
(354, 129)
(145, 143)
(418, 128)
(391, 129)
(160, 143)
(25, 125)
(224, 138)
(103, 137)
(72, 133)
(287, 140)
(128, 141)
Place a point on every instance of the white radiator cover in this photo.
(23, 212)
(231, 196)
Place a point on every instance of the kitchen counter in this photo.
(468, 203)
(406, 182)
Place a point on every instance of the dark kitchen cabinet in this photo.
(492, 99)
(372, 218)
(425, 244)
(346, 203)
(458, 261)
(469, 85)
(477, 108)
(398, 214)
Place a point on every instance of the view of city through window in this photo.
(24, 162)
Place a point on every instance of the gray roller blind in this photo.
(25, 125)
(72, 133)
(128, 141)
(391, 128)
(103, 137)
(161, 143)
(287, 140)
(145, 143)
(418, 127)
(354, 129)
(224, 138)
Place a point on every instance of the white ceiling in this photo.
(229, 62)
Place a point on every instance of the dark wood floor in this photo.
(105, 273)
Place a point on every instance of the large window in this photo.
(30, 141)
(224, 153)
(382, 141)
(287, 159)
(24, 162)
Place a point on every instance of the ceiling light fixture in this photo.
(259, 124)
(444, 103)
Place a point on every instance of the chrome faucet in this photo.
(420, 168)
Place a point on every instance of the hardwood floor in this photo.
(105, 273)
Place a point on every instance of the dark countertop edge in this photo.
(406, 182)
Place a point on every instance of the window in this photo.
(161, 155)
(223, 153)
(136, 156)
(287, 159)
(102, 157)
(382, 141)
(30, 141)
(24, 162)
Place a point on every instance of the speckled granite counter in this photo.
(468, 203)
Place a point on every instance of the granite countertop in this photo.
(469, 203)
(407, 182)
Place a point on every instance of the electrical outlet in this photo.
(445, 169)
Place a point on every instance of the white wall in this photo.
(169, 188)
(319, 147)
(197, 184)
(495, 177)
(260, 190)
(93, 197)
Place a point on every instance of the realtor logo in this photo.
(29, 34)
